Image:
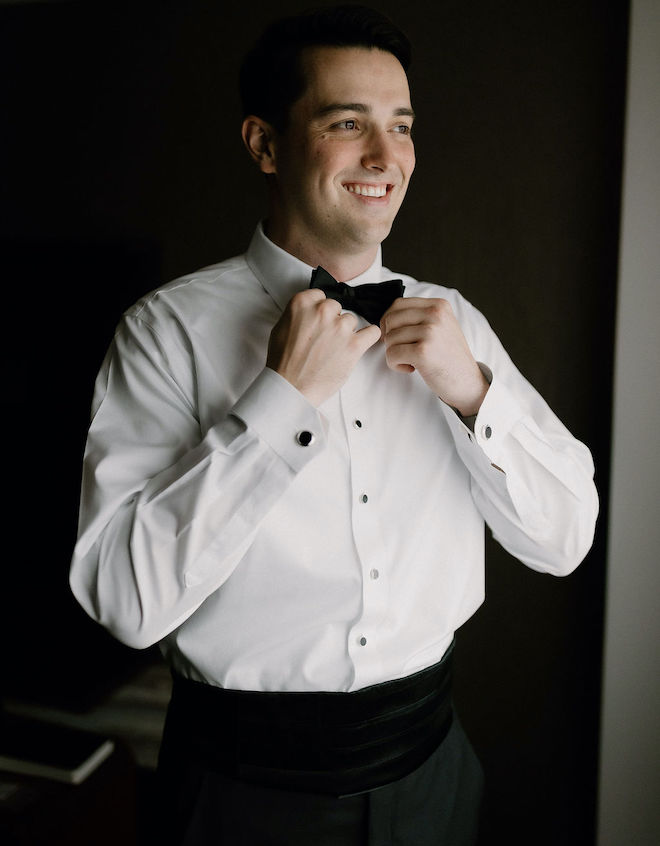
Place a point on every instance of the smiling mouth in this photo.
(368, 190)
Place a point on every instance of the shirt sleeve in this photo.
(167, 511)
(531, 480)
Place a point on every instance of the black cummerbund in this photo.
(336, 743)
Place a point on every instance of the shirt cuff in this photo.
(282, 417)
(488, 430)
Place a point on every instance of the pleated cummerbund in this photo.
(334, 743)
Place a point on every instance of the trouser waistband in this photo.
(336, 743)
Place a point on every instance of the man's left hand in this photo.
(423, 334)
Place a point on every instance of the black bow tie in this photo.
(371, 300)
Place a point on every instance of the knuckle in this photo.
(423, 348)
(438, 308)
(328, 307)
(426, 334)
(300, 300)
(348, 321)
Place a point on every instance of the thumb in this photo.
(367, 337)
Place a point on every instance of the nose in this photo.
(377, 153)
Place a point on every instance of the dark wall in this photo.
(124, 168)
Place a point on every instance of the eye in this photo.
(349, 124)
(403, 128)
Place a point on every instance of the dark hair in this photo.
(271, 78)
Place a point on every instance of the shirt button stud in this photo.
(486, 431)
(357, 424)
(374, 574)
(305, 438)
(362, 641)
(364, 498)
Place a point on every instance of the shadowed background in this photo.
(124, 168)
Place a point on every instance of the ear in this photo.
(258, 137)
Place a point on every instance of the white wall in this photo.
(629, 802)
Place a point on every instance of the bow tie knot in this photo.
(371, 300)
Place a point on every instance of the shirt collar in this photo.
(283, 275)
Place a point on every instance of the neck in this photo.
(343, 267)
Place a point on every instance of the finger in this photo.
(367, 337)
(402, 303)
(409, 315)
(307, 297)
(329, 307)
(348, 318)
(402, 357)
(413, 310)
(408, 334)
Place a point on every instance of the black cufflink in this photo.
(305, 438)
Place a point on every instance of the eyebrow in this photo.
(331, 108)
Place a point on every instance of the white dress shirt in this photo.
(261, 563)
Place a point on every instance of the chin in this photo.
(370, 231)
(375, 236)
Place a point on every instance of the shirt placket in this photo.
(365, 646)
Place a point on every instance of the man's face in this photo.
(343, 164)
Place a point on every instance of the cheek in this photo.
(330, 160)
(410, 161)
(319, 165)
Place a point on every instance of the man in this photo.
(289, 498)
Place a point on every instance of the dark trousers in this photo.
(436, 805)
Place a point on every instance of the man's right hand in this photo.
(315, 347)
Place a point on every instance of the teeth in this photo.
(367, 190)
